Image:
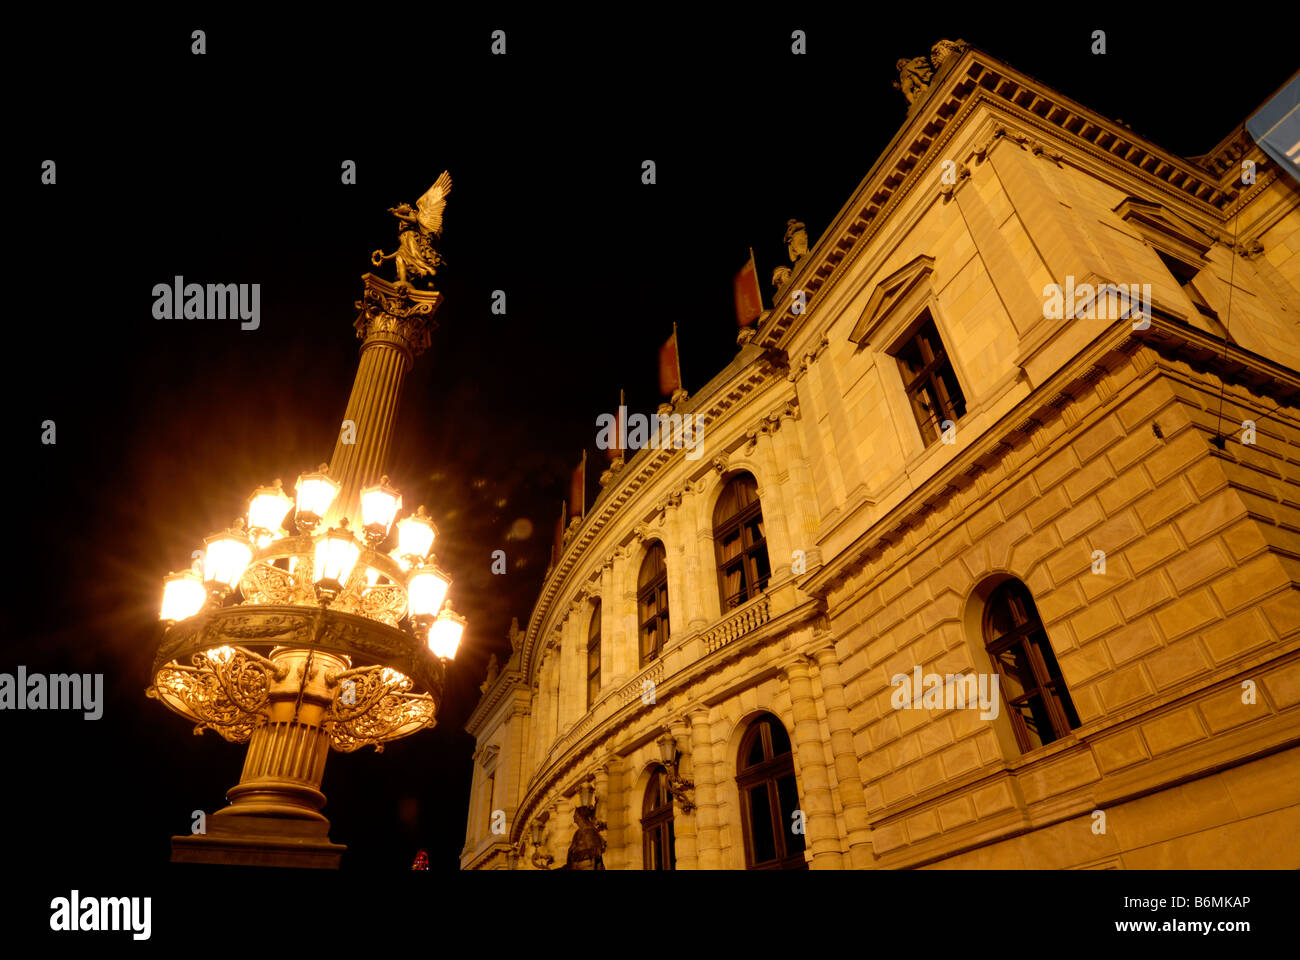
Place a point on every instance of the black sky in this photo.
(226, 168)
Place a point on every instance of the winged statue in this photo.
(419, 228)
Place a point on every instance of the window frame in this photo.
(593, 645)
(658, 820)
(768, 772)
(928, 375)
(747, 559)
(658, 590)
(1030, 635)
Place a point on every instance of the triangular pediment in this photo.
(1161, 225)
(901, 287)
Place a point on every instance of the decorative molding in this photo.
(905, 288)
(1157, 223)
(749, 617)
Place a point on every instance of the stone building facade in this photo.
(1097, 507)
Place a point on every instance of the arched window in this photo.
(769, 798)
(593, 655)
(739, 534)
(1031, 682)
(652, 602)
(657, 846)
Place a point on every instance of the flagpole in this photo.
(756, 283)
(677, 352)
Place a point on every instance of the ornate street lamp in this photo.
(677, 784)
(297, 636)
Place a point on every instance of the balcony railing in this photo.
(749, 617)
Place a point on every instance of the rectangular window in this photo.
(1185, 273)
(930, 381)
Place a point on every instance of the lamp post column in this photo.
(394, 324)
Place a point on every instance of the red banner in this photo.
(670, 366)
(749, 298)
(578, 489)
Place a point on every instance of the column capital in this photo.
(697, 714)
(797, 667)
(397, 314)
(826, 653)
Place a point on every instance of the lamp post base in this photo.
(258, 851)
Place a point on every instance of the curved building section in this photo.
(989, 538)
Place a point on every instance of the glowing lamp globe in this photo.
(426, 588)
(445, 634)
(415, 536)
(266, 512)
(336, 554)
(226, 557)
(379, 505)
(183, 596)
(316, 493)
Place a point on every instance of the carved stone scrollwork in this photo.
(949, 190)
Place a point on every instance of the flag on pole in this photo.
(614, 451)
(670, 366)
(578, 489)
(749, 298)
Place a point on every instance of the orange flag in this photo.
(578, 489)
(670, 366)
(749, 298)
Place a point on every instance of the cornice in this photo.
(508, 681)
(981, 79)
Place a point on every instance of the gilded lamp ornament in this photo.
(318, 621)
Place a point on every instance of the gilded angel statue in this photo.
(418, 228)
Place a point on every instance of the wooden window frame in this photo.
(593, 646)
(658, 820)
(769, 772)
(1051, 690)
(657, 589)
(929, 375)
(747, 559)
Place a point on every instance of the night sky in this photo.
(226, 168)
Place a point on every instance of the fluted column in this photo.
(394, 326)
(847, 772)
(278, 798)
(819, 808)
(686, 845)
(708, 840)
(372, 408)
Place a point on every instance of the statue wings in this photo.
(431, 205)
